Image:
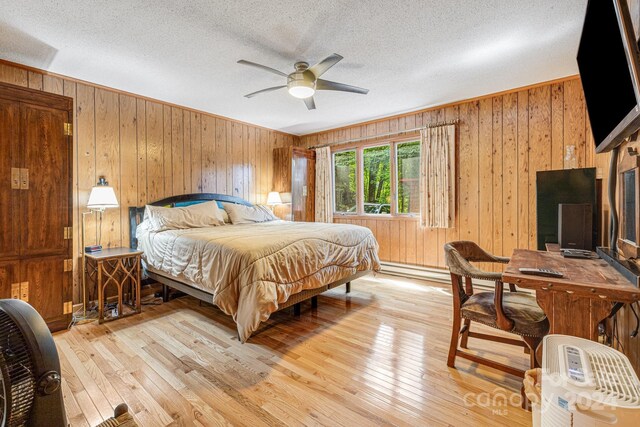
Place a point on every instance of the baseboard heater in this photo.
(437, 275)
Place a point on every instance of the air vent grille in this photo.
(613, 377)
(555, 416)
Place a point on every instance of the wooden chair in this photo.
(513, 311)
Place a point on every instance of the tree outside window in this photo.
(345, 181)
(377, 179)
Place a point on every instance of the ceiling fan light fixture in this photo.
(305, 81)
(301, 88)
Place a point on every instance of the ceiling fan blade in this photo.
(321, 67)
(310, 103)
(269, 89)
(328, 85)
(263, 67)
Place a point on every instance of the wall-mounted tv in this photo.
(609, 62)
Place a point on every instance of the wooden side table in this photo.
(120, 268)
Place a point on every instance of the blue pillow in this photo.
(195, 202)
(190, 203)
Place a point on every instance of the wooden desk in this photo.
(578, 302)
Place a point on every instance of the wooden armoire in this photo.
(294, 176)
(35, 201)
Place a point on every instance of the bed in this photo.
(252, 270)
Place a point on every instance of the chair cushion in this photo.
(522, 308)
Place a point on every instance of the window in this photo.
(408, 172)
(345, 181)
(378, 179)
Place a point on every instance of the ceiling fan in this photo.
(305, 80)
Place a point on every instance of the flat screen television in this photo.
(609, 62)
(571, 186)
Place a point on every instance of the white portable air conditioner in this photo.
(587, 384)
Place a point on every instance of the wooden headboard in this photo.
(136, 213)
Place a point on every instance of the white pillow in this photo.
(241, 214)
(205, 214)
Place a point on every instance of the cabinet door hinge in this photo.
(68, 265)
(68, 129)
(68, 233)
(67, 307)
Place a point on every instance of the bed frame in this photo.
(136, 214)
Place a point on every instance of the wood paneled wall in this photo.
(502, 140)
(148, 150)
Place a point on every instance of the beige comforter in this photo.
(252, 268)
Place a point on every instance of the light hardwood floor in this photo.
(376, 356)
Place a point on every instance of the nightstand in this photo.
(116, 269)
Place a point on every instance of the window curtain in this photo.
(437, 177)
(324, 189)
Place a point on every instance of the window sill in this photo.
(377, 217)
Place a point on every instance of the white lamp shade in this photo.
(102, 197)
(274, 198)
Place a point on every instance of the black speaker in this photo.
(575, 226)
(562, 186)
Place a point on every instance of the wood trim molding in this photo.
(136, 95)
(38, 97)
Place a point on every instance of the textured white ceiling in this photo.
(410, 54)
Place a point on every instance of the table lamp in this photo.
(101, 197)
(273, 199)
